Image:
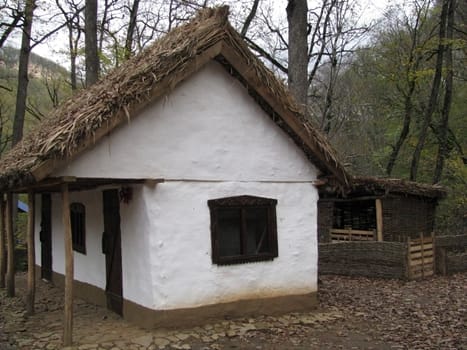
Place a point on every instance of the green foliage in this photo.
(453, 211)
(382, 75)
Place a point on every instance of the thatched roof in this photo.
(374, 185)
(92, 113)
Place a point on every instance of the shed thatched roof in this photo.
(374, 185)
(92, 113)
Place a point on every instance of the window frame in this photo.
(355, 214)
(78, 226)
(243, 203)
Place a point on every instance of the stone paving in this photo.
(95, 328)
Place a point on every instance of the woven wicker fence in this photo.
(391, 259)
(370, 259)
(451, 254)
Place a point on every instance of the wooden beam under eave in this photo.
(10, 273)
(68, 307)
(3, 261)
(31, 255)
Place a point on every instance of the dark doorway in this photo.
(111, 245)
(46, 237)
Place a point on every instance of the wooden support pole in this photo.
(2, 243)
(379, 220)
(31, 256)
(68, 317)
(10, 273)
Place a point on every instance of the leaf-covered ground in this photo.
(354, 313)
(428, 314)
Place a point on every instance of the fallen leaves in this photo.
(425, 314)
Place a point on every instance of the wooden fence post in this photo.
(409, 269)
(379, 220)
(31, 255)
(10, 273)
(433, 247)
(68, 309)
(3, 256)
(422, 251)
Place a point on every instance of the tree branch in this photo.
(266, 55)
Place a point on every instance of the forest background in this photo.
(389, 92)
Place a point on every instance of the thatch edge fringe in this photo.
(392, 185)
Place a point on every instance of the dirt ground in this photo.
(354, 313)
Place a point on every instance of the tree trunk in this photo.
(433, 101)
(73, 80)
(23, 80)
(408, 110)
(131, 29)
(297, 12)
(72, 23)
(412, 68)
(328, 102)
(3, 257)
(90, 28)
(443, 148)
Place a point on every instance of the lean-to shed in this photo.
(378, 209)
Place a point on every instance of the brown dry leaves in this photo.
(427, 314)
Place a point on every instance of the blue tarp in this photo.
(22, 207)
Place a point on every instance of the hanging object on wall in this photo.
(126, 194)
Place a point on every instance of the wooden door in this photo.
(111, 245)
(46, 237)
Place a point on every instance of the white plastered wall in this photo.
(175, 219)
(207, 139)
(89, 267)
(209, 128)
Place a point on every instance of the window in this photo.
(355, 214)
(78, 227)
(243, 229)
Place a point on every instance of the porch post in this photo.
(31, 255)
(10, 273)
(379, 220)
(2, 242)
(68, 317)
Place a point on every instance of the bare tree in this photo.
(443, 148)
(10, 17)
(23, 80)
(72, 20)
(413, 54)
(434, 95)
(249, 18)
(341, 34)
(5, 136)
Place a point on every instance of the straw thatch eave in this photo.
(94, 112)
(398, 186)
(374, 187)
